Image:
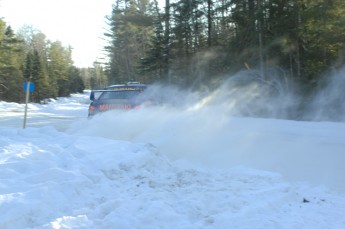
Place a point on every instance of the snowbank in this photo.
(54, 180)
(163, 169)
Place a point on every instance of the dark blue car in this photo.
(121, 97)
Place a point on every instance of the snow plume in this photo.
(329, 102)
(208, 128)
(247, 94)
(276, 95)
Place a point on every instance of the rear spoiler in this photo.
(92, 94)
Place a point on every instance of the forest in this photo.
(188, 43)
(29, 56)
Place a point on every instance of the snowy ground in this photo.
(167, 168)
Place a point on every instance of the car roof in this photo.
(131, 86)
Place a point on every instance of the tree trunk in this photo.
(261, 55)
(167, 41)
(209, 21)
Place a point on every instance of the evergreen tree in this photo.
(11, 55)
(322, 34)
(59, 63)
(154, 66)
(76, 83)
(131, 32)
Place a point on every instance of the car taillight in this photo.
(91, 108)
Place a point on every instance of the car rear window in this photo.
(120, 94)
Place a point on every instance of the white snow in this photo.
(167, 168)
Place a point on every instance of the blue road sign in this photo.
(32, 87)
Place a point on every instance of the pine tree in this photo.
(59, 63)
(11, 79)
(131, 30)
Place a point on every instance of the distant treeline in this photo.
(28, 56)
(188, 43)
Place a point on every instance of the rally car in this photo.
(121, 97)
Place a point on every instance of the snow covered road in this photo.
(59, 113)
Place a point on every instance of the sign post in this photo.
(28, 87)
